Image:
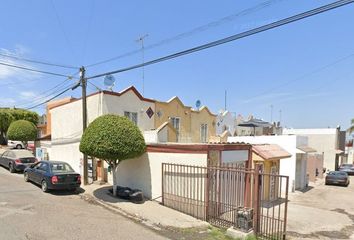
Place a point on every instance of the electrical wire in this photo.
(194, 31)
(320, 69)
(34, 70)
(72, 87)
(41, 96)
(254, 31)
(63, 30)
(53, 90)
(37, 61)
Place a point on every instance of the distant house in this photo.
(327, 141)
(225, 121)
(256, 127)
(294, 166)
(189, 125)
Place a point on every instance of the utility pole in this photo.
(271, 113)
(280, 115)
(141, 40)
(83, 81)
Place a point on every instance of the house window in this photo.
(133, 116)
(203, 132)
(175, 121)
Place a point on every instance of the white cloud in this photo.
(267, 97)
(28, 94)
(10, 74)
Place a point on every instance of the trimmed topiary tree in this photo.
(114, 139)
(22, 130)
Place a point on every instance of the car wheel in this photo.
(44, 186)
(18, 146)
(11, 168)
(25, 176)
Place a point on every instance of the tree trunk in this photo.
(115, 180)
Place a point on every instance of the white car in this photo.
(15, 144)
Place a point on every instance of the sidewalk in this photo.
(150, 213)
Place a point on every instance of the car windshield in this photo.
(23, 154)
(338, 173)
(347, 165)
(61, 167)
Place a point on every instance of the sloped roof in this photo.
(255, 123)
(204, 108)
(306, 149)
(131, 88)
(270, 151)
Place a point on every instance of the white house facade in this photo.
(326, 141)
(67, 123)
(225, 121)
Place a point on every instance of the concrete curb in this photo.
(91, 199)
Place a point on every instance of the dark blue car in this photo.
(53, 175)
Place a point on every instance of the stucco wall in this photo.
(288, 143)
(175, 108)
(68, 153)
(67, 122)
(224, 121)
(202, 117)
(144, 173)
(130, 102)
(323, 140)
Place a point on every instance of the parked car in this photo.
(17, 160)
(15, 144)
(348, 168)
(337, 178)
(53, 175)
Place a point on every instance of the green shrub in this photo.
(114, 139)
(22, 130)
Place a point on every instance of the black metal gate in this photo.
(228, 197)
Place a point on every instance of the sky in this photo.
(301, 73)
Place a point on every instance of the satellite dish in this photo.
(109, 81)
(198, 103)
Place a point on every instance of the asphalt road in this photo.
(324, 211)
(26, 213)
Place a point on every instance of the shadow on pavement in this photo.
(105, 195)
(309, 188)
(62, 192)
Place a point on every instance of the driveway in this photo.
(322, 212)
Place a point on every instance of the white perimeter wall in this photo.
(288, 143)
(145, 172)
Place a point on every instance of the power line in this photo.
(305, 75)
(263, 28)
(199, 29)
(62, 29)
(37, 61)
(47, 93)
(35, 70)
(51, 91)
(72, 87)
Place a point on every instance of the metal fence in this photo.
(242, 198)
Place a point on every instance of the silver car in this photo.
(17, 160)
(15, 144)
